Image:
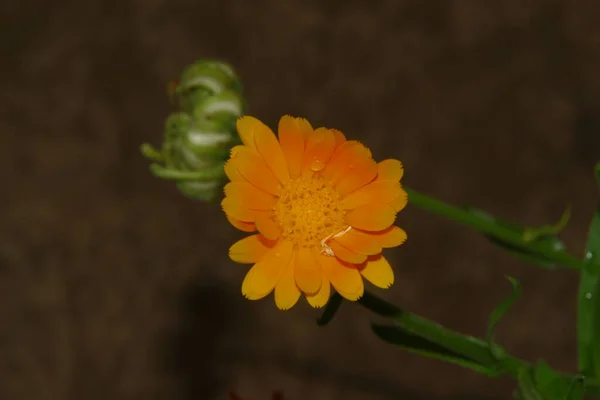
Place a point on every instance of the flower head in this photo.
(323, 209)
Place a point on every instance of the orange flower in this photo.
(324, 210)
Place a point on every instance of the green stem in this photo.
(471, 347)
(489, 227)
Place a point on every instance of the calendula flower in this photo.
(323, 209)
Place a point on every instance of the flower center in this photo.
(309, 213)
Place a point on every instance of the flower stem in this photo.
(491, 228)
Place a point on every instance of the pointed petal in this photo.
(390, 170)
(320, 298)
(270, 150)
(266, 225)
(345, 278)
(378, 271)
(390, 237)
(286, 291)
(246, 127)
(345, 254)
(251, 249)
(253, 168)
(307, 271)
(319, 148)
(263, 276)
(370, 218)
(237, 210)
(360, 242)
(249, 195)
(292, 133)
(375, 192)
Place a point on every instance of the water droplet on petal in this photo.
(317, 165)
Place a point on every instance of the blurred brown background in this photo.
(115, 286)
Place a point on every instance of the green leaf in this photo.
(550, 384)
(498, 313)
(526, 386)
(544, 237)
(588, 318)
(331, 308)
(408, 341)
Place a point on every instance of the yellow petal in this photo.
(250, 249)
(292, 133)
(320, 298)
(270, 150)
(390, 170)
(375, 192)
(378, 271)
(246, 127)
(390, 237)
(286, 291)
(236, 210)
(265, 225)
(263, 276)
(307, 271)
(371, 218)
(249, 195)
(345, 278)
(241, 225)
(253, 168)
(345, 254)
(232, 172)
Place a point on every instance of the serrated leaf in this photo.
(413, 343)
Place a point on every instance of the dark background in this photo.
(115, 286)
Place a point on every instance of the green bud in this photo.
(199, 137)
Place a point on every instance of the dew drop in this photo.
(588, 255)
(317, 165)
(277, 255)
(588, 296)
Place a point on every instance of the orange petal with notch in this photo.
(266, 225)
(241, 225)
(320, 147)
(250, 249)
(292, 133)
(400, 201)
(390, 170)
(307, 271)
(270, 150)
(357, 176)
(378, 271)
(339, 137)
(236, 210)
(253, 168)
(286, 291)
(371, 218)
(391, 237)
(360, 242)
(320, 298)
(345, 254)
(345, 278)
(249, 195)
(375, 192)
(352, 159)
(232, 172)
(264, 275)
(246, 127)
(339, 151)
